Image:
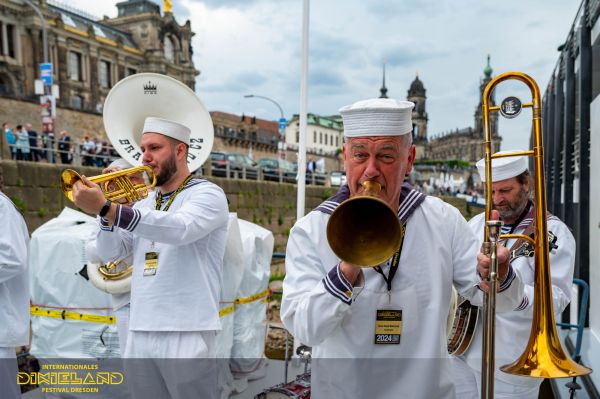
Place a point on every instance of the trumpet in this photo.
(117, 186)
(364, 230)
(543, 356)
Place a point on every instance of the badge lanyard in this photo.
(151, 258)
(159, 196)
(393, 270)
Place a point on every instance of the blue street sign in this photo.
(46, 73)
(282, 123)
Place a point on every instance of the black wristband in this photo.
(105, 208)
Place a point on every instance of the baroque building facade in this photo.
(89, 55)
(324, 134)
(466, 144)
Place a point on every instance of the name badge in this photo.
(388, 327)
(151, 263)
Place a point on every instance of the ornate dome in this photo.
(416, 88)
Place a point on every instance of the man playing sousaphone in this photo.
(177, 239)
(381, 332)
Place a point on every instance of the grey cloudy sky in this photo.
(254, 46)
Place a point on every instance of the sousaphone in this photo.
(127, 105)
(139, 96)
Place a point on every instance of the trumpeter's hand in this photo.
(88, 196)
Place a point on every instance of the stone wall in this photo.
(35, 190)
(78, 123)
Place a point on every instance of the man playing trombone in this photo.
(177, 238)
(511, 197)
(381, 332)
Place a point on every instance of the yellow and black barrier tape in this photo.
(64, 314)
(94, 318)
(242, 301)
(252, 298)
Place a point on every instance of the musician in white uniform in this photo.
(177, 238)
(14, 294)
(512, 190)
(334, 306)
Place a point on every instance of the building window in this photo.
(315, 137)
(320, 137)
(7, 40)
(337, 141)
(104, 73)
(5, 86)
(74, 64)
(76, 102)
(169, 49)
(297, 137)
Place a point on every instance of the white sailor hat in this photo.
(119, 163)
(504, 168)
(167, 128)
(377, 117)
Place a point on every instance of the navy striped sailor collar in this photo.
(530, 216)
(410, 200)
(194, 181)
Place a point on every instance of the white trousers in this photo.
(122, 315)
(468, 384)
(8, 374)
(171, 364)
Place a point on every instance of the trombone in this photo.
(116, 185)
(543, 356)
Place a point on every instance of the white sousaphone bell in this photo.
(127, 105)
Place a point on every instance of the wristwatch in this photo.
(105, 208)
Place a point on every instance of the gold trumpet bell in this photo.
(364, 230)
(119, 186)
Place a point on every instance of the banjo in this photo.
(462, 318)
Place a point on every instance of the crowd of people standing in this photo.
(26, 144)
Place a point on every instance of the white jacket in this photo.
(439, 250)
(14, 278)
(190, 241)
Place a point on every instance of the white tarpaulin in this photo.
(250, 317)
(58, 283)
(233, 267)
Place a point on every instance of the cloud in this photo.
(255, 45)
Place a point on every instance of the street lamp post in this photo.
(47, 99)
(281, 145)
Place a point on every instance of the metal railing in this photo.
(76, 157)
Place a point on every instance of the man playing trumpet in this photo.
(387, 323)
(177, 239)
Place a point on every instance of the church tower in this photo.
(487, 78)
(416, 94)
(479, 133)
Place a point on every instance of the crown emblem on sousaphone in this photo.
(126, 107)
(150, 88)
